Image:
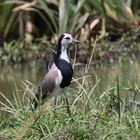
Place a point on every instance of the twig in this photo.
(25, 7)
(94, 45)
(74, 56)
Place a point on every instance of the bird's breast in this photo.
(66, 71)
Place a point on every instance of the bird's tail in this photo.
(38, 98)
(35, 101)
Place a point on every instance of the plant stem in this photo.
(118, 96)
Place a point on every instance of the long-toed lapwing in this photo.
(59, 75)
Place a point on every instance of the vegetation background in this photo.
(109, 31)
(34, 25)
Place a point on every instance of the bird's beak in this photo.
(75, 41)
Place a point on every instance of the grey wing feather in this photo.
(48, 83)
(47, 86)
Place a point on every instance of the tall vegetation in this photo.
(49, 17)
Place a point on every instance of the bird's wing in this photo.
(51, 81)
(53, 78)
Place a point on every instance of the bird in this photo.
(59, 75)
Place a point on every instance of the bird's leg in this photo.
(68, 107)
(55, 101)
(55, 105)
(67, 102)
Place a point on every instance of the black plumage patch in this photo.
(66, 70)
(58, 46)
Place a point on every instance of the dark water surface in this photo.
(9, 76)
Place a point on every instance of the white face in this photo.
(67, 39)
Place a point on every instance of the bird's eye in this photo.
(68, 38)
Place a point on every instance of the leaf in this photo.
(63, 15)
(82, 21)
(49, 13)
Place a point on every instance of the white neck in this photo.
(64, 54)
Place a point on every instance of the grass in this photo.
(106, 116)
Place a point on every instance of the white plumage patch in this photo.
(64, 54)
(58, 81)
(58, 78)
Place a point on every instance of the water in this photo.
(128, 73)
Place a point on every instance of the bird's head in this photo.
(64, 41)
(67, 39)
